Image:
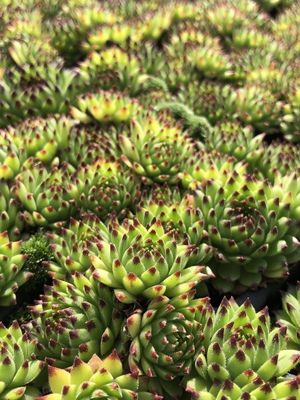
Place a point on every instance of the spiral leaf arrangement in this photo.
(289, 315)
(243, 357)
(250, 222)
(149, 165)
(18, 365)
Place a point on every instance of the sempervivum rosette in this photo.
(204, 165)
(95, 379)
(155, 150)
(290, 186)
(184, 220)
(78, 318)
(197, 126)
(46, 197)
(91, 14)
(280, 157)
(41, 137)
(106, 186)
(289, 315)
(86, 143)
(243, 357)
(72, 245)
(224, 19)
(124, 67)
(140, 262)
(65, 36)
(104, 107)
(290, 124)
(258, 106)
(11, 218)
(181, 218)
(12, 274)
(30, 55)
(253, 226)
(12, 156)
(211, 100)
(18, 364)
(53, 95)
(167, 336)
(231, 138)
(213, 63)
(250, 36)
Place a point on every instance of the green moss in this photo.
(37, 250)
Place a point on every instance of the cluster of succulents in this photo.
(19, 366)
(155, 150)
(145, 262)
(104, 106)
(252, 224)
(12, 274)
(242, 357)
(149, 166)
(288, 316)
(75, 319)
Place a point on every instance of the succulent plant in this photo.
(18, 364)
(155, 150)
(23, 22)
(229, 137)
(125, 66)
(243, 357)
(92, 14)
(280, 157)
(117, 33)
(12, 273)
(175, 73)
(71, 246)
(212, 100)
(162, 193)
(40, 138)
(166, 337)
(185, 220)
(76, 318)
(65, 37)
(204, 165)
(258, 107)
(290, 186)
(148, 161)
(265, 67)
(247, 37)
(12, 156)
(140, 262)
(224, 19)
(104, 107)
(253, 226)
(11, 218)
(32, 52)
(154, 24)
(94, 379)
(291, 117)
(289, 316)
(87, 143)
(106, 186)
(151, 57)
(46, 197)
(283, 29)
(52, 96)
(213, 63)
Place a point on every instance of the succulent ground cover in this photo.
(149, 196)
